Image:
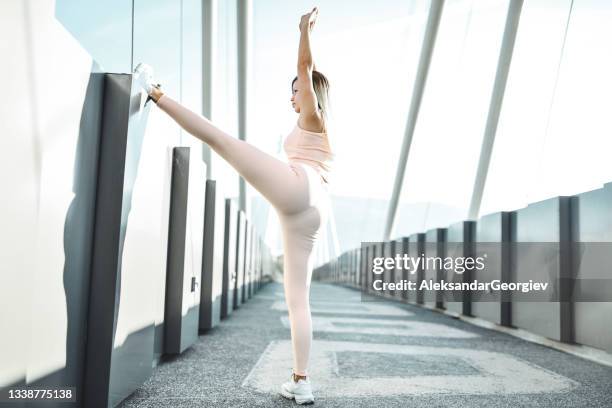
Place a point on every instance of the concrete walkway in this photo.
(371, 354)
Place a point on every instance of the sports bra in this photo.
(311, 148)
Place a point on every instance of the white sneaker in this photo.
(143, 74)
(300, 391)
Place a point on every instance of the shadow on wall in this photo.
(78, 229)
(77, 244)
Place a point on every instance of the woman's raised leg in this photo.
(288, 189)
(276, 180)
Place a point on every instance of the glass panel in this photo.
(191, 65)
(576, 153)
(104, 29)
(448, 135)
(225, 91)
(526, 107)
(157, 41)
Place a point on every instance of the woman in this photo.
(298, 190)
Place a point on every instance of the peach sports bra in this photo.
(311, 148)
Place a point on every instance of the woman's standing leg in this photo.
(300, 232)
(277, 181)
(297, 270)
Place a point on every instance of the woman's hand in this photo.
(308, 20)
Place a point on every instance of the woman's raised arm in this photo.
(309, 113)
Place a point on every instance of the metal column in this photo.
(244, 54)
(497, 97)
(429, 40)
(209, 29)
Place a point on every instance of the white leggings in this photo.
(300, 199)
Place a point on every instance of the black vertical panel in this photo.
(405, 273)
(240, 256)
(255, 283)
(257, 262)
(389, 274)
(369, 274)
(362, 266)
(396, 272)
(353, 269)
(495, 229)
(393, 272)
(376, 253)
(246, 270)
(338, 268)
(379, 252)
(351, 274)
(252, 257)
(508, 235)
(347, 267)
(229, 258)
(261, 262)
(343, 266)
(340, 272)
(460, 243)
(367, 268)
(435, 246)
(212, 261)
(253, 261)
(121, 139)
(416, 248)
(177, 336)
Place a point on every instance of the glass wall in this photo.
(523, 122)
(103, 28)
(555, 113)
(191, 63)
(166, 34)
(448, 135)
(225, 90)
(157, 41)
(577, 143)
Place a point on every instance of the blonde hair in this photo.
(321, 88)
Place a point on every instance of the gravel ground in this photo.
(243, 360)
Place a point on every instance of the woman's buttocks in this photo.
(304, 228)
(310, 212)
